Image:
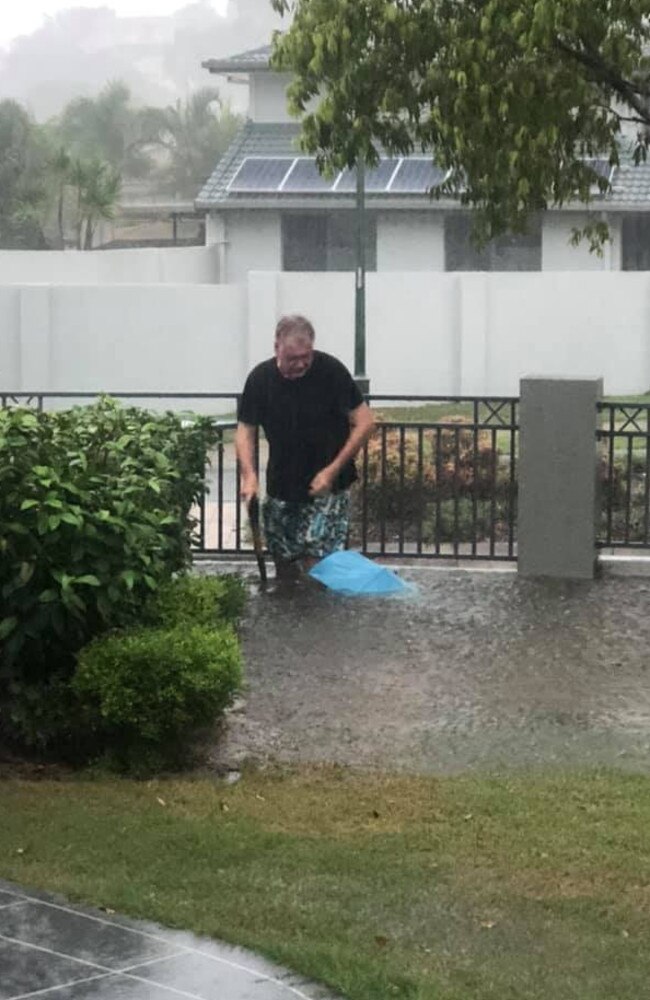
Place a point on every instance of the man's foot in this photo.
(287, 570)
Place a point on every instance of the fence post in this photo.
(558, 487)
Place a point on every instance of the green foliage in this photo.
(152, 687)
(94, 516)
(195, 135)
(452, 488)
(107, 127)
(97, 185)
(22, 179)
(510, 96)
(196, 600)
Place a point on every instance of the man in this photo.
(315, 421)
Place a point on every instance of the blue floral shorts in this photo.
(314, 528)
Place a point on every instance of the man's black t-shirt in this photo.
(305, 420)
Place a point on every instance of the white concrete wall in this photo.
(558, 254)
(410, 241)
(268, 97)
(573, 325)
(469, 334)
(148, 266)
(123, 338)
(253, 243)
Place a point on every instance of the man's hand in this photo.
(250, 487)
(322, 483)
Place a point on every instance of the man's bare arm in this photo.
(362, 423)
(245, 436)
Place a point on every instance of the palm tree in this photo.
(195, 134)
(107, 126)
(60, 166)
(98, 186)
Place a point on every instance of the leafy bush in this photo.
(407, 486)
(196, 600)
(150, 688)
(94, 516)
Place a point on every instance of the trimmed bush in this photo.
(150, 689)
(94, 516)
(196, 600)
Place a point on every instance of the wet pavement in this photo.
(482, 670)
(54, 951)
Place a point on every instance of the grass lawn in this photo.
(535, 886)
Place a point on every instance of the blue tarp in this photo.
(351, 573)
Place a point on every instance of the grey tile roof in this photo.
(630, 184)
(254, 139)
(254, 59)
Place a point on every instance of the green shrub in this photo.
(151, 688)
(196, 600)
(407, 485)
(94, 516)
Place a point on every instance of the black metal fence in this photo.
(624, 474)
(437, 480)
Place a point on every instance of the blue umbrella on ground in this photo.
(352, 574)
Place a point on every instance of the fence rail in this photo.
(438, 480)
(624, 470)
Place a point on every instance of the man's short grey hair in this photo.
(294, 326)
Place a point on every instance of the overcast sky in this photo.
(25, 16)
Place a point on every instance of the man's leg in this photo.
(282, 532)
(326, 528)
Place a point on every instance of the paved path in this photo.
(52, 951)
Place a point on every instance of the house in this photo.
(268, 208)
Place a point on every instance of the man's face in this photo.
(294, 355)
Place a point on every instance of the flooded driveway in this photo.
(482, 670)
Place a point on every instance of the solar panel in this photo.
(417, 176)
(377, 179)
(261, 174)
(306, 178)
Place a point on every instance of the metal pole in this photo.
(360, 295)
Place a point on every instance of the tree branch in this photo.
(602, 73)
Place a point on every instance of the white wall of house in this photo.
(268, 97)
(406, 241)
(146, 266)
(428, 333)
(558, 254)
(251, 241)
(410, 241)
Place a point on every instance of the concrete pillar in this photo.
(216, 236)
(558, 494)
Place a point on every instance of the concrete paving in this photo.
(54, 951)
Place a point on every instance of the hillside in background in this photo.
(79, 50)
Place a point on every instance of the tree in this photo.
(23, 189)
(195, 134)
(108, 127)
(510, 96)
(98, 189)
(60, 166)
